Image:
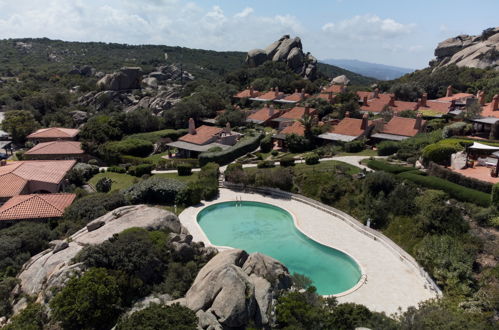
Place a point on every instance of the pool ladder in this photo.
(239, 200)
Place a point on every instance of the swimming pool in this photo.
(265, 228)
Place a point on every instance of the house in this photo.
(204, 138)
(328, 97)
(375, 102)
(434, 108)
(53, 134)
(33, 176)
(458, 99)
(292, 115)
(263, 116)
(489, 116)
(270, 96)
(349, 129)
(35, 207)
(291, 128)
(399, 128)
(57, 150)
(294, 98)
(247, 93)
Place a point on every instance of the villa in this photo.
(204, 138)
(263, 116)
(35, 207)
(292, 115)
(53, 134)
(270, 96)
(294, 98)
(349, 129)
(57, 150)
(247, 93)
(458, 99)
(399, 128)
(489, 116)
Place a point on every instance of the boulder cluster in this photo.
(469, 51)
(289, 51)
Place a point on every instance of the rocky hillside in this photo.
(469, 51)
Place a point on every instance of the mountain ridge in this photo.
(369, 69)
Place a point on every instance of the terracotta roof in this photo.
(36, 206)
(489, 111)
(401, 126)
(54, 133)
(15, 175)
(263, 114)
(336, 89)
(349, 126)
(203, 135)
(297, 128)
(295, 97)
(325, 96)
(375, 105)
(437, 106)
(404, 105)
(455, 97)
(56, 148)
(247, 94)
(296, 113)
(270, 96)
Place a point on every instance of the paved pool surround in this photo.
(387, 282)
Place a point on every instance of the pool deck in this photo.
(390, 283)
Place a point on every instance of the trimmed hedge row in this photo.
(444, 173)
(229, 155)
(454, 190)
(379, 165)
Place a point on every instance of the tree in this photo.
(407, 91)
(307, 122)
(89, 302)
(297, 143)
(157, 317)
(19, 124)
(104, 185)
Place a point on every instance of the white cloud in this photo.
(245, 13)
(366, 27)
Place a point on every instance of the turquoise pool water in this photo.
(260, 227)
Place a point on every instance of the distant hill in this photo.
(21, 55)
(378, 71)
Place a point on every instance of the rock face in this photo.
(341, 80)
(470, 51)
(125, 79)
(234, 288)
(51, 268)
(289, 51)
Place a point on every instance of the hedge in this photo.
(266, 144)
(112, 151)
(379, 165)
(387, 148)
(171, 164)
(140, 170)
(229, 155)
(184, 169)
(454, 190)
(440, 153)
(444, 173)
(355, 146)
(155, 136)
(495, 195)
(265, 164)
(311, 158)
(287, 161)
(155, 190)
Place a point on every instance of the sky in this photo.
(393, 32)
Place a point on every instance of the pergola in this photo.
(484, 149)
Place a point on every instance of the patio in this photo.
(479, 172)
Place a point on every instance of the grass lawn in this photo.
(366, 152)
(122, 181)
(187, 178)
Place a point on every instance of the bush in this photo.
(89, 302)
(280, 178)
(265, 164)
(140, 170)
(81, 173)
(440, 153)
(444, 173)
(112, 151)
(104, 185)
(296, 143)
(274, 153)
(454, 190)
(230, 154)
(458, 128)
(266, 144)
(311, 158)
(287, 161)
(116, 169)
(160, 317)
(184, 169)
(380, 165)
(208, 180)
(134, 160)
(354, 146)
(155, 190)
(32, 317)
(387, 148)
(494, 198)
(191, 195)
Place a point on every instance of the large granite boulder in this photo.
(469, 51)
(234, 288)
(256, 57)
(125, 79)
(51, 268)
(341, 80)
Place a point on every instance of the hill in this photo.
(375, 70)
(20, 55)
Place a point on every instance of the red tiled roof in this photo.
(489, 111)
(54, 133)
(271, 95)
(297, 128)
(15, 175)
(401, 126)
(56, 148)
(325, 96)
(349, 126)
(404, 105)
(437, 106)
(336, 89)
(296, 113)
(295, 97)
(203, 135)
(36, 206)
(263, 114)
(247, 94)
(375, 105)
(455, 97)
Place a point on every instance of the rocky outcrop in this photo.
(469, 51)
(86, 71)
(50, 269)
(340, 80)
(125, 79)
(234, 288)
(289, 51)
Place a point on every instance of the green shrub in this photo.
(354, 146)
(458, 128)
(116, 169)
(274, 153)
(440, 153)
(208, 180)
(93, 162)
(155, 136)
(230, 154)
(191, 194)
(112, 151)
(266, 144)
(311, 158)
(380, 165)
(265, 164)
(454, 190)
(81, 173)
(296, 143)
(184, 169)
(104, 185)
(155, 190)
(135, 160)
(444, 173)
(287, 161)
(31, 318)
(494, 201)
(279, 177)
(387, 148)
(160, 317)
(140, 170)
